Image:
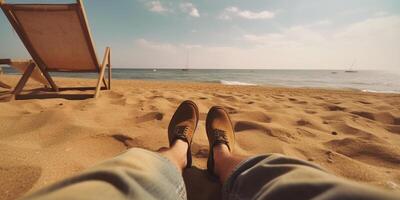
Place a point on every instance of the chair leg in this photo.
(49, 79)
(101, 78)
(24, 79)
(109, 70)
(109, 77)
(105, 83)
(3, 85)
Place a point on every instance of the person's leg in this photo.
(274, 176)
(134, 174)
(176, 154)
(225, 162)
(137, 173)
(220, 133)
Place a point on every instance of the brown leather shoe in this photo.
(183, 125)
(219, 131)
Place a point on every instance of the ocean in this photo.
(368, 81)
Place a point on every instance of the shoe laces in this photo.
(180, 132)
(220, 136)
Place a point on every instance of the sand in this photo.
(47, 137)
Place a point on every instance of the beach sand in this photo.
(48, 137)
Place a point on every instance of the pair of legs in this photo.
(220, 134)
(225, 161)
(261, 177)
(141, 174)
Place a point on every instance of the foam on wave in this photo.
(224, 82)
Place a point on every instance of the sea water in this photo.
(365, 80)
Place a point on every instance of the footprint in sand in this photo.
(150, 116)
(303, 122)
(393, 128)
(275, 97)
(319, 98)
(155, 97)
(279, 134)
(246, 125)
(231, 110)
(306, 133)
(351, 130)
(302, 102)
(334, 108)
(369, 152)
(310, 111)
(364, 102)
(383, 117)
(126, 140)
(256, 116)
(367, 115)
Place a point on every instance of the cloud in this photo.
(290, 37)
(381, 14)
(157, 6)
(190, 9)
(231, 12)
(324, 22)
(372, 42)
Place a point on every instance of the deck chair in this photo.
(22, 66)
(58, 38)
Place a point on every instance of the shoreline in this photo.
(265, 86)
(368, 81)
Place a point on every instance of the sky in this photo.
(271, 34)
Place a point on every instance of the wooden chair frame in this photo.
(3, 85)
(38, 62)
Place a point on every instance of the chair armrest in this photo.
(11, 61)
(5, 61)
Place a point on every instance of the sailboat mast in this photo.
(352, 64)
(187, 59)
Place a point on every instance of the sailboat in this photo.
(186, 68)
(351, 68)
